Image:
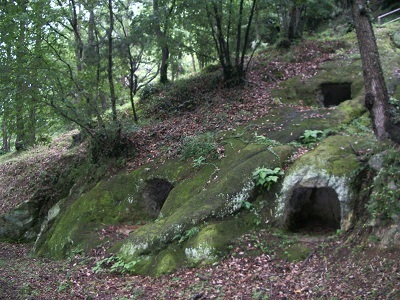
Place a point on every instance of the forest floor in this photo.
(265, 264)
(255, 269)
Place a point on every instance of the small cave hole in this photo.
(154, 195)
(313, 210)
(332, 94)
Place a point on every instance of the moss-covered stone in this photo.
(212, 241)
(166, 261)
(215, 193)
(186, 189)
(333, 164)
(349, 110)
(117, 200)
(298, 90)
(222, 196)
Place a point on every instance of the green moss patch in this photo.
(221, 196)
(110, 202)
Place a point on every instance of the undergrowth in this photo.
(384, 203)
(198, 147)
(180, 96)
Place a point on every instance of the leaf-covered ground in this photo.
(258, 266)
(255, 269)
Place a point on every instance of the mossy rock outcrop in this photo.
(173, 199)
(178, 195)
(321, 186)
(189, 215)
(75, 226)
(223, 195)
(300, 91)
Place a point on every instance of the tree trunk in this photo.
(193, 62)
(110, 63)
(5, 146)
(295, 26)
(162, 41)
(75, 23)
(234, 72)
(164, 64)
(21, 85)
(376, 94)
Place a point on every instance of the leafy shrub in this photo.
(109, 142)
(211, 68)
(266, 177)
(148, 91)
(44, 140)
(283, 43)
(180, 96)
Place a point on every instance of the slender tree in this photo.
(376, 93)
(226, 22)
(111, 61)
(162, 21)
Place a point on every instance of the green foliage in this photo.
(187, 235)
(149, 91)
(357, 127)
(394, 109)
(246, 204)
(198, 162)
(260, 139)
(311, 137)
(115, 264)
(384, 202)
(180, 96)
(200, 147)
(266, 177)
(63, 286)
(109, 142)
(211, 68)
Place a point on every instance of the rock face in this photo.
(320, 188)
(18, 224)
(186, 209)
(182, 215)
(335, 82)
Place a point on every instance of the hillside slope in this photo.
(262, 264)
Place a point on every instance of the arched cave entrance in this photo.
(154, 195)
(332, 94)
(313, 209)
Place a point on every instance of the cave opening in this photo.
(313, 210)
(154, 194)
(333, 94)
